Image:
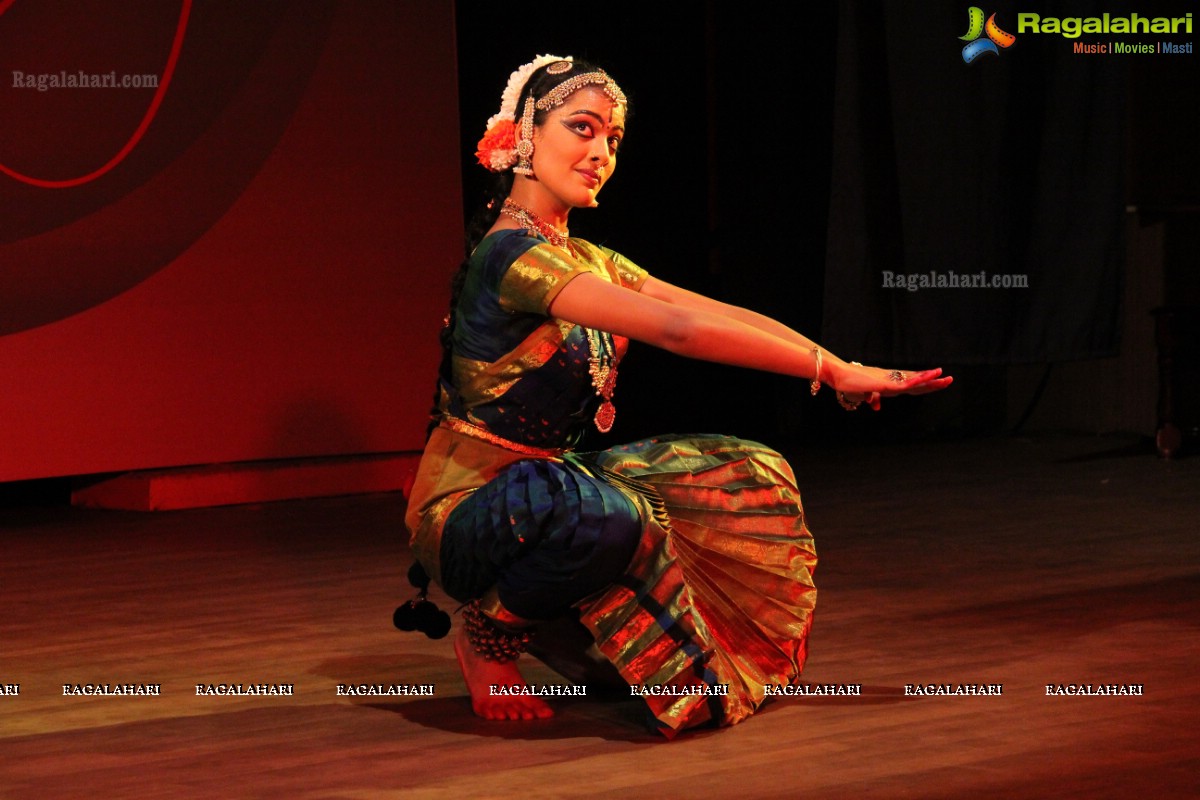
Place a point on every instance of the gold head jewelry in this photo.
(524, 149)
(508, 141)
(559, 94)
(497, 149)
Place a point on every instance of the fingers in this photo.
(889, 383)
(919, 383)
(924, 376)
(932, 386)
(928, 379)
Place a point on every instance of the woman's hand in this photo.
(856, 383)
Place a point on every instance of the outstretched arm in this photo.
(669, 293)
(695, 326)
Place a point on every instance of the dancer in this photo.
(686, 558)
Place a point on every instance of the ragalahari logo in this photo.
(976, 27)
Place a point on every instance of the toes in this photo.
(514, 711)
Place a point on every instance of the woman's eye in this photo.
(614, 143)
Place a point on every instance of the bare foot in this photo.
(481, 674)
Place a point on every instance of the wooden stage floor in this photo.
(1022, 562)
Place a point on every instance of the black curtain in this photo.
(1011, 165)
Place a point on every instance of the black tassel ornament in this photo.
(420, 614)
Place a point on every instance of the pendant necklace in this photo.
(602, 365)
(602, 351)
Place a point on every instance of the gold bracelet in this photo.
(815, 386)
(846, 404)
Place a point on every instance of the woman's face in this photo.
(575, 148)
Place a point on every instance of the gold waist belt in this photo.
(475, 432)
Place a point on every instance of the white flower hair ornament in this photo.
(497, 150)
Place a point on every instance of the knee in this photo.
(618, 539)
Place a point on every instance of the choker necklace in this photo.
(532, 222)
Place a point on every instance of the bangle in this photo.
(815, 386)
(846, 404)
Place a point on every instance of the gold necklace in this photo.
(602, 351)
(532, 222)
(602, 366)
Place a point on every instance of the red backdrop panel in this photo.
(263, 276)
